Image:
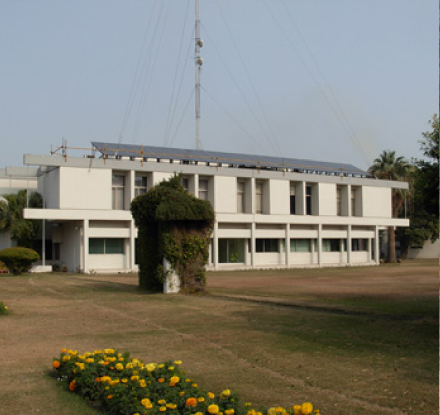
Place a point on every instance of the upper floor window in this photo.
(338, 201)
(309, 200)
(185, 184)
(241, 196)
(140, 185)
(118, 191)
(292, 199)
(203, 189)
(259, 197)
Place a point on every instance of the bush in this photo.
(121, 385)
(3, 309)
(3, 269)
(18, 259)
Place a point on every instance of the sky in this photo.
(338, 81)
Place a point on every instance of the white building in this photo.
(270, 212)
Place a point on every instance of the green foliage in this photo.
(176, 226)
(3, 309)
(11, 217)
(18, 259)
(120, 385)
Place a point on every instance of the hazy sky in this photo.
(338, 80)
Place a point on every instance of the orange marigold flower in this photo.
(72, 386)
(191, 402)
(161, 380)
(63, 350)
(110, 396)
(98, 379)
(56, 364)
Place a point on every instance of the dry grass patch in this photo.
(344, 362)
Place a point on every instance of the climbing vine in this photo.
(176, 226)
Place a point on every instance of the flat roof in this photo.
(145, 152)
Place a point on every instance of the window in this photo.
(231, 251)
(359, 245)
(300, 245)
(292, 199)
(259, 197)
(203, 189)
(240, 196)
(185, 184)
(140, 185)
(353, 202)
(338, 201)
(267, 245)
(308, 200)
(331, 245)
(118, 191)
(106, 246)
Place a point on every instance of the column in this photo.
(85, 246)
(320, 245)
(349, 245)
(287, 245)
(253, 245)
(132, 247)
(215, 245)
(376, 245)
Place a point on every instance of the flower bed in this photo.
(122, 385)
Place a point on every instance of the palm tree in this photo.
(11, 216)
(389, 167)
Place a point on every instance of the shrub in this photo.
(3, 309)
(121, 385)
(3, 269)
(18, 259)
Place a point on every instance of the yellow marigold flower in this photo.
(306, 408)
(175, 379)
(119, 366)
(177, 362)
(90, 360)
(161, 366)
(66, 358)
(121, 359)
(162, 408)
(251, 412)
(229, 411)
(213, 409)
(124, 380)
(182, 393)
(271, 411)
(194, 385)
(187, 380)
(171, 368)
(225, 394)
(211, 395)
(134, 378)
(146, 403)
(201, 399)
(171, 406)
(198, 413)
(109, 351)
(162, 402)
(280, 410)
(106, 388)
(114, 382)
(150, 367)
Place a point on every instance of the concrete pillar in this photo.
(287, 245)
(215, 245)
(349, 244)
(320, 245)
(85, 244)
(132, 247)
(253, 245)
(376, 245)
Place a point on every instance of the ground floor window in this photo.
(331, 245)
(300, 245)
(231, 251)
(359, 245)
(106, 246)
(267, 245)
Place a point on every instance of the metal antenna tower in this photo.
(198, 68)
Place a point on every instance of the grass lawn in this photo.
(351, 341)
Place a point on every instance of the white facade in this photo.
(264, 218)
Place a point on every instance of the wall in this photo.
(225, 194)
(85, 188)
(50, 190)
(376, 202)
(429, 250)
(327, 199)
(279, 194)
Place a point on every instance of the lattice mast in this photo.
(198, 68)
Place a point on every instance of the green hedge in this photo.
(18, 260)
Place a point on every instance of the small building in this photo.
(270, 212)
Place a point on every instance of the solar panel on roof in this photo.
(236, 159)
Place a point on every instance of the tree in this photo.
(424, 201)
(11, 217)
(389, 167)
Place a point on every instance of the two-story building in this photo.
(270, 212)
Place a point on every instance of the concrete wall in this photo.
(376, 202)
(429, 250)
(327, 199)
(85, 188)
(225, 194)
(279, 194)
